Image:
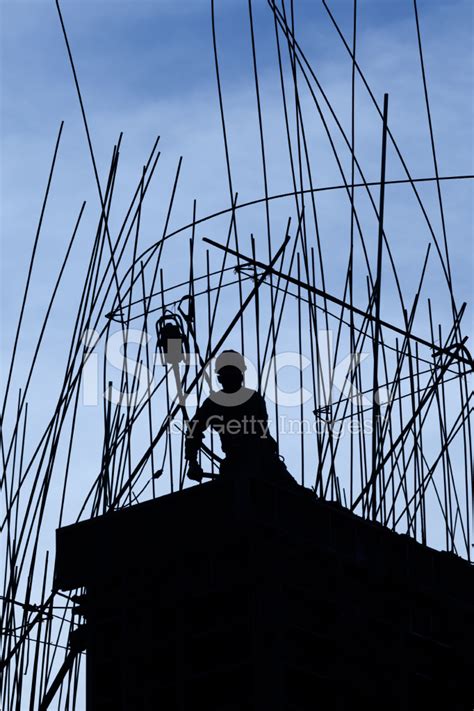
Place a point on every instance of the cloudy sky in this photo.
(147, 69)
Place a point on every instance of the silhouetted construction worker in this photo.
(239, 415)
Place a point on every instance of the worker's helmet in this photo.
(232, 358)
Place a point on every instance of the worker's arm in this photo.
(197, 425)
(260, 408)
(261, 415)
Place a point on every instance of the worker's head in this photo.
(230, 367)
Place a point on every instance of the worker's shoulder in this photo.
(220, 398)
(249, 393)
(206, 404)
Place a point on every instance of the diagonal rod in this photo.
(314, 290)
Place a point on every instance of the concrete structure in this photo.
(239, 595)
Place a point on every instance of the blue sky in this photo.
(146, 68)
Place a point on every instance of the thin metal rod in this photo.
(378, 284)
(349, 307)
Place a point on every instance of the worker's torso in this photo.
(240, 419)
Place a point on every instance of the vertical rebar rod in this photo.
(378, 282)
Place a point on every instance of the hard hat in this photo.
(232, 358)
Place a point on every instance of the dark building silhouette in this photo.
(240, 594)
